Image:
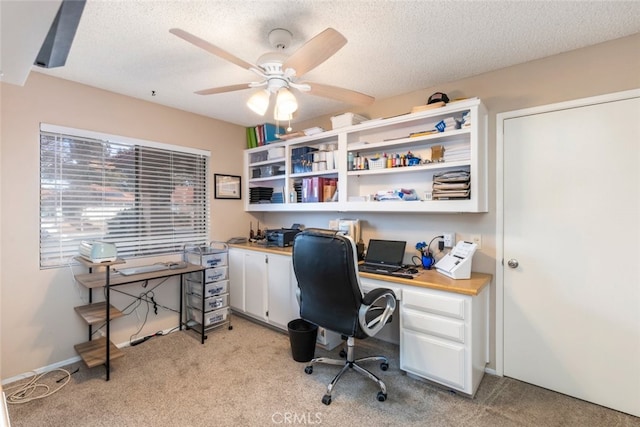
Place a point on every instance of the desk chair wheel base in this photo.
(382, 396)
(326, 399)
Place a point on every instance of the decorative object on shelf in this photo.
(227, 186)
(438, 97)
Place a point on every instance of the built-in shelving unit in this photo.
(277, 166)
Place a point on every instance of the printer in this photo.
(281, 237)
(98, 252)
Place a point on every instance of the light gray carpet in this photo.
(247, 377)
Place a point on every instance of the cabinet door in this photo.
(236, 279)
(255, 284)
(279, 271)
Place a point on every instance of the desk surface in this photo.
(99, 279)
(425, 278)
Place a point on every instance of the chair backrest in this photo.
(326, 268)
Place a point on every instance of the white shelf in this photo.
(390, 136)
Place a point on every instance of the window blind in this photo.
(146, 198)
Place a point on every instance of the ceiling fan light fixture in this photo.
(259, 102)
(286, 103)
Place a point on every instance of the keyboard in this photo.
(142, 269)
(400, 274)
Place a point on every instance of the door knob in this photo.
(513, 263)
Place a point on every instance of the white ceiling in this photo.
(394, 47)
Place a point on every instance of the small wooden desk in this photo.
(101, 350)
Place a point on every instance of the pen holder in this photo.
(427, 262)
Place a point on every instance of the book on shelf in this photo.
(263, 134)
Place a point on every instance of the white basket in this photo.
(379, 163)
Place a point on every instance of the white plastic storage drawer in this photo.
(214, 259)
(433, 302)
(210, 274)
(212, 303)
(210, 318)
(210, 289)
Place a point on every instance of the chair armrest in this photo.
(379, 299)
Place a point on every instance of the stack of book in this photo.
(260, 135)
(451, 185)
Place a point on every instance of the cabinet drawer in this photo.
(433, 358)
(446, 305)
(444, 327)
(210, 289)
(210, 274)
(213, 303)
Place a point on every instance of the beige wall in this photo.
(605, 68)
(39, 326)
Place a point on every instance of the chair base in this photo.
(351, 363)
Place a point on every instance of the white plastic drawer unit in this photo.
(212, 259)
(212, 303)
(210, 289)
(210, 274)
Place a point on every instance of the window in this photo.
(146, 198)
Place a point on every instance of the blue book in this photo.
(270, 131)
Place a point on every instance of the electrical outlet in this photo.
(449, 239)
(477, 239)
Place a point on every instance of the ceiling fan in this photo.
(280, 72)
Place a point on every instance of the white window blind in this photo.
(146, 198)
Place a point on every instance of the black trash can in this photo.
(302, 336)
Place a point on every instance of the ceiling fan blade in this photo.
(315, 51)
(340, 94)
(223, 89)
(203, 44)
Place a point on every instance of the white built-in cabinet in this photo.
(443, 337)
(274, 165)
(263, 286)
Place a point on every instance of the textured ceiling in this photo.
(394, 47)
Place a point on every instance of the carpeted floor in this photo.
(247, 377)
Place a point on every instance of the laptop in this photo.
(383, 256)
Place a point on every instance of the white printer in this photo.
(98, 251)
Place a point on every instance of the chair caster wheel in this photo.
(326, 399)
(384, 366)
(308, 369)
(343, 354)
(381, 396)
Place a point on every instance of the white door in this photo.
(571, 217)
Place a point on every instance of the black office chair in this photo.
(326, 267)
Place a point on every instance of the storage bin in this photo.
(213, 303)
(210, 289)
(210, 274)
(378, 163)
(211, 259)
(346, 119)
(275, 153)
(210, 318)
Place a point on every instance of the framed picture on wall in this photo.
(227, 186)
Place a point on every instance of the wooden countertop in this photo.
(425, 278)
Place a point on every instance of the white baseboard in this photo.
(66, 362)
